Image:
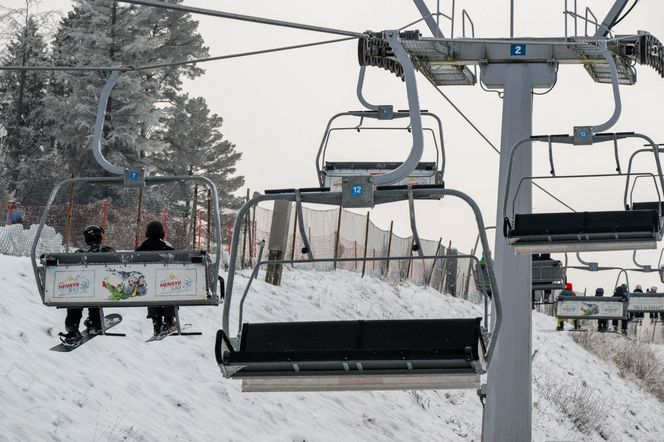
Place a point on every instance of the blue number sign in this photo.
(357, 190)
(517, 49)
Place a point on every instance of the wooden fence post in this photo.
(445, 265)
(292, 254)
(410, 259)
(366, 242)
(433, 266)
(336, 239)
(389, 247)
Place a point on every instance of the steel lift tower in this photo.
(517, 66)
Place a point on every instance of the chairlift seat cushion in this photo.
(352, 347)
(642, 222)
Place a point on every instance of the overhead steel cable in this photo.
(241, 17)
(170, 64)
(493, 146)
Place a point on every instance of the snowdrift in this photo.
(115, 388)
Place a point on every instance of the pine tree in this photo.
(106, 33)
(194, 145)
(24, 143)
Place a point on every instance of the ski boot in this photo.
(72, 338)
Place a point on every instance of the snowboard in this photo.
(162, 335)
(110, 321)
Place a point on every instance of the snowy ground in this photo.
(125, 389)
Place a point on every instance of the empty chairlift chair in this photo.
(638, 227)
(548, 274)
(354, 354)
(331, 173)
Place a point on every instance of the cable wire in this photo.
(493, 146)
(241, 17)
(624, 15)
(171, 64)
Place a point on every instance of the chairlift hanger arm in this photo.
(645, 268)
(95, 146)
(417, 148)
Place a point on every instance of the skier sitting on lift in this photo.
(93, 238)
(567, 291)
(163, 317)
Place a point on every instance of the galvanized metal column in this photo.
(508, 413)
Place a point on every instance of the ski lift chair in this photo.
(127, 279)
(548, 274)
(639, 227)
(331, 173)
(334, 174)
(359, 354)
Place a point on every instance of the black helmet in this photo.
(93, 234)
(599, 291)
(155, 229)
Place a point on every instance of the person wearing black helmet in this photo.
(602, 324)
(94, 236)
(163, 317)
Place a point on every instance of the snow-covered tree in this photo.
(194, 145)
(25, 139)
(107, 33)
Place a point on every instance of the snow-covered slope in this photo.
(125, 389)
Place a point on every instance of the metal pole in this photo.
(209, 219)
(366, 243)
(193, 220)
(511, 18)
(508, 414)
(70, 207)
(244, 236)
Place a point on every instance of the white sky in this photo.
(275, 106)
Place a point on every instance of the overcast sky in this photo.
(275, 107)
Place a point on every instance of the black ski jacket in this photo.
(153, 244)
